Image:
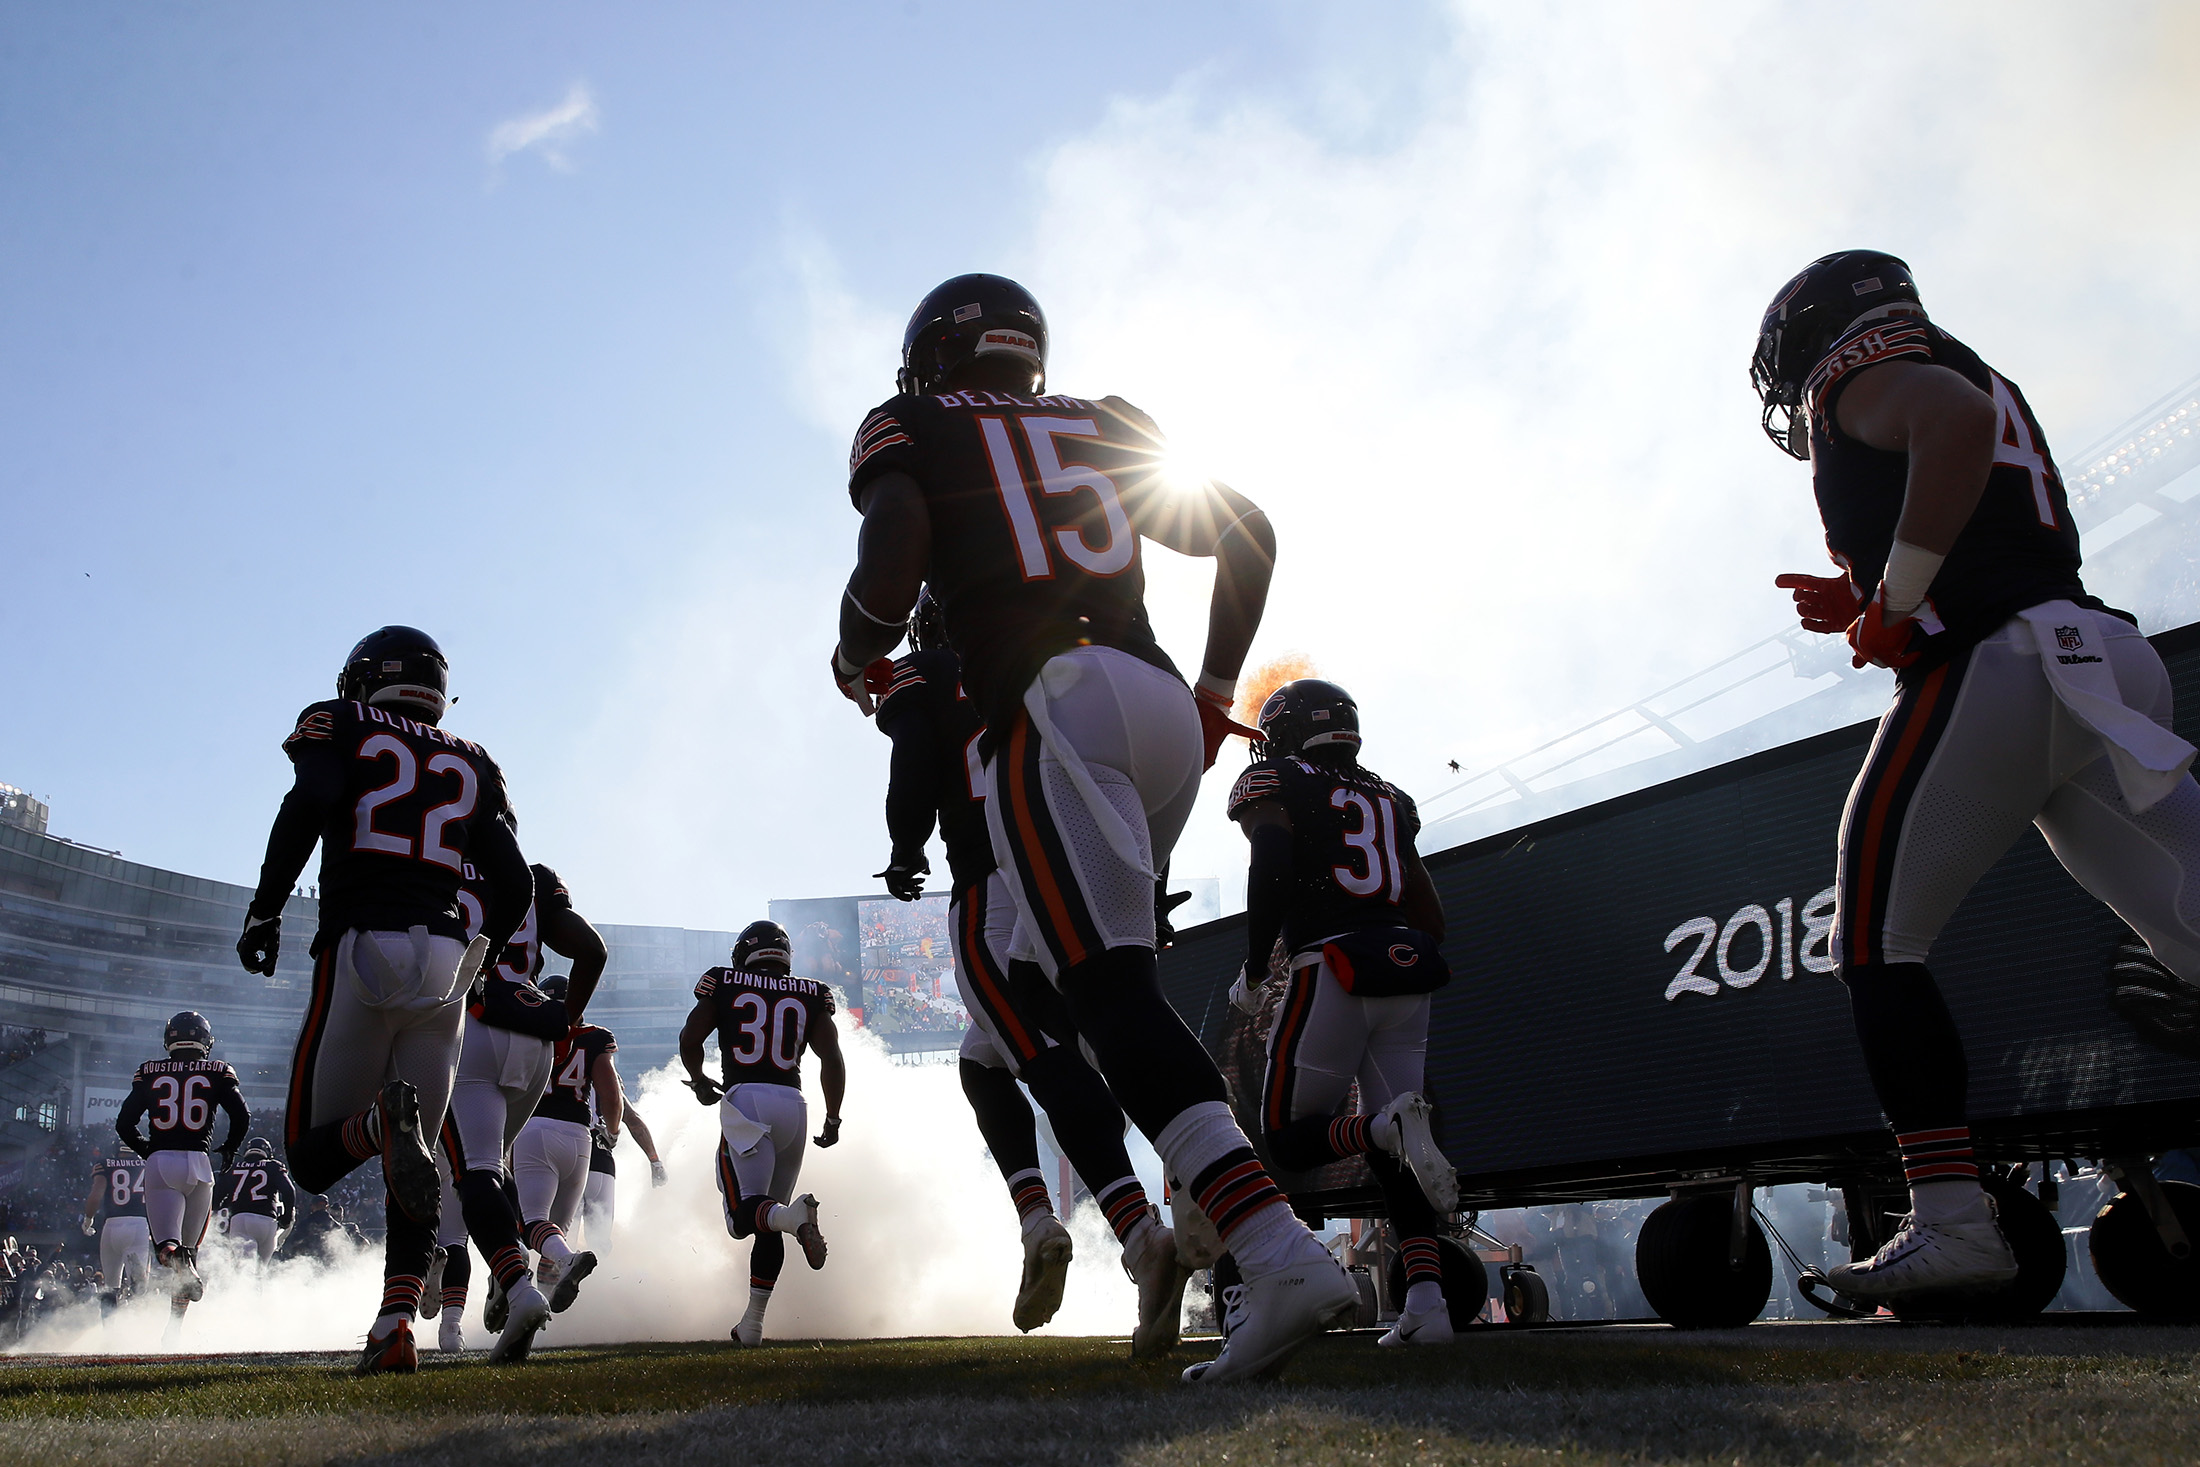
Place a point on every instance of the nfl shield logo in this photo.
(2068, 639)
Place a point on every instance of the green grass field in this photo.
(1780, 1394)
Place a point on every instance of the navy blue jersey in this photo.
(401, 803)
(2020, 547)
(178, 1100)
(121, 1187)
(1352, 838)
(1032, 501)
(262, 1188)
(763, 1022)
(571, 1093)
(938, 770)
(599, 1156)
(504, 996)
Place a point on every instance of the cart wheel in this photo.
(2035, 1236)
(1681, 1262)
(1527, 1297)
(1466, 1281)
(2129, 1256)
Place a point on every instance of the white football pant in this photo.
(179, 1196)
(126, 1247)
(550, 1168)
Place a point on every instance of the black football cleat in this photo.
(406, 1161)
(568, 1287)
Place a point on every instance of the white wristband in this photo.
(1224, 688)
(847, 670)
(1908, 576)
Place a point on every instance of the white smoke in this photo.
(923, 1242)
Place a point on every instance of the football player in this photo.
(115, 1211)
(1024, 511)
(550, 1156)
(600, 1203)
(259, 1199)
(2019, 699)
(1334, 872)
(399, 808)
(512, 1033)
(176, 1098)
(1017, 1033)
(764, 1019)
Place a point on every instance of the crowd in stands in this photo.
(18, 1044)
(895, 1010)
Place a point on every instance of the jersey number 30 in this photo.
(787, 1020)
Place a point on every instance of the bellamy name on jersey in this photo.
(764, 1021)
(1032, 503)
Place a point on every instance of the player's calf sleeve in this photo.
(319, 1158)
(493, 1225)
(1087, 1125)
(1153, 1063)
(458, 1275)
(1319, 1140)
(766, 1259)
(1910, 1045)
(408, 1246)
(1004, 1118)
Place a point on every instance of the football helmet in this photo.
(927, 623)
(1309, 713)
(969, 317)
(188, 1031)
(397, 667)
(763, 945)
(554, 985)
(259, 1148)
(1807, 316)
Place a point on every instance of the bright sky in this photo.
(545, 327)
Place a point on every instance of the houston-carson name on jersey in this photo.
(2020, 547)
(1032, 500)
(1351, 832)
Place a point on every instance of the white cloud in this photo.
(548, 133)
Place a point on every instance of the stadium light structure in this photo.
(2143, 476)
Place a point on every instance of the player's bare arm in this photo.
(698, 1028)
(569, 934)
(1944, 424)
(1214, 521)
(892, 550)
(832, 1075)
(1267, 827)
(93, 1198)
(640, 1132)
(610, 1098)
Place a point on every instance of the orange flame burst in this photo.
(1255, 686)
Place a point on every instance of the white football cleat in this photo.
(494, 1304)
(1279, 1312)
(450, 1335)
(1932, 1257)
(1150, 1259)
(1432, 1328)
(528, 1312)
(431, 1287)
(1411, 1117)
(1047, 1252)
(547, 1272)
(576, 1268)
(748, 1336)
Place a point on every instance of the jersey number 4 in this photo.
(1111, 556)
(403, 781)
(2014, 445)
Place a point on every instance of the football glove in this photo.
(904, 875)
(257, 948)
(707, 1091)
(656, 1174)
(830, 1136)
(88, 1225)
(228, 1155)
(1165, 902)
(1876, 641)
(1823, 603)
(1245, 994)
(1216, 724)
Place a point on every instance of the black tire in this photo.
(2136, 1268)
(1527, 1297)
(1466, 1281)
(2035, 1236)
(1681, 1263)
